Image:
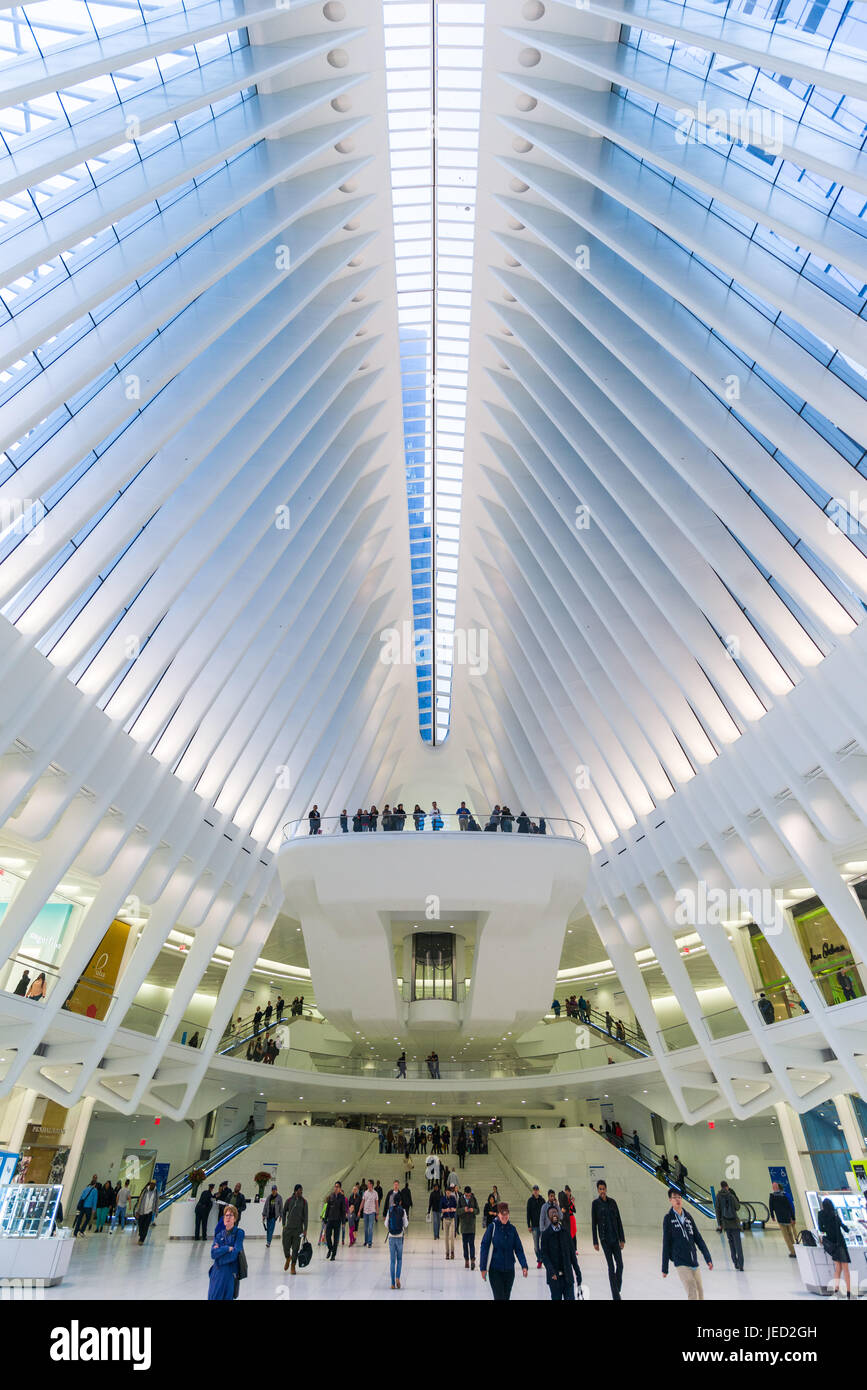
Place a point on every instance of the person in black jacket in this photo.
(681, 1241)
(607, 1231)
(535, 1203)
(783, 1213)
(335, 1215)
(562, 1270)
(834, 1244)
(203, 1211)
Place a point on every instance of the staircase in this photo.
(482, 1171)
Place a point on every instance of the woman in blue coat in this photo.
(227, 1246)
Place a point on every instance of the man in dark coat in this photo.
(607, 1231)
(558, 1256)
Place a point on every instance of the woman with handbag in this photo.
(834, 1245)
(230, 1262)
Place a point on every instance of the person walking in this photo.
(272, 1212)
(766, 1008)
(86, 1207)
(295, 1218)
(408, 1166)
(432, 1170)
(560, 1259)
(461, 1147)
(834, 1244)
(104, 1197)
(448, 1217)
(202, 1211)
(681, 1243)
(370, 1211)
(535, 1203)
(607, 1232)
(335, 1215)
(434, 1203)
(396, 1223)
(727, 1219)
(121, 1204)
(146, 1210)
(226, 1250)
(501, 1246)
(468, 1210)
(401, 1067)
(782, 1211)
(545, 1212)
(567, 1208)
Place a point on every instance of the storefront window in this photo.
(828, 953)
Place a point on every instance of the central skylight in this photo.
(434, 81)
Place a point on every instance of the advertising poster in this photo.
(92, 995)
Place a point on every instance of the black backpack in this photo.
(727, 1207)
(806, 1238)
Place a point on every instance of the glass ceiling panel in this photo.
(433, 82)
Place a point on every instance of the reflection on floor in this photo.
(116, 1266)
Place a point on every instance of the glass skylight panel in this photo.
(433, 81)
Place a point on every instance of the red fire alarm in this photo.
(711, 1124)
(141, 1143)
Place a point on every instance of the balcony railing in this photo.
(556, 827)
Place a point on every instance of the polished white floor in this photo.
(115, 1266)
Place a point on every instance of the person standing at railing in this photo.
(436, 817)
(315, 821)
(494, 819)
(344, 822)
(463, 816)
(506, 819)
(373, 820)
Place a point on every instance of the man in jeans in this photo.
(295, 1216)
(535, 1203)
(335, 1215)
(448, 1217)
(681, 1242)
(369, 1210)
(396, 1223)
(86, 1207)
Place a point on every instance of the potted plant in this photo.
(197, 1177)
(260, 1180)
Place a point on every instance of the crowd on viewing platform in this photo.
(394, 818)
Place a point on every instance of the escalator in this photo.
(752, 1212)
(225, 1152)
(632, 1040)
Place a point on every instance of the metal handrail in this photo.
(555, 827)
(223, 1153)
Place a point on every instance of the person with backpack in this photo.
(727, 1219)
(396, 1222)
(681, 1172)
(294, 1226)
(782, 1211)
(681, 1242)
(434, 1202)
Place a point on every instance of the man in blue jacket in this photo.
(681, 1242)
(86, 1207)
(503, 1244)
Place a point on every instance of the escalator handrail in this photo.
(216, 1158)
(692, 1191)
